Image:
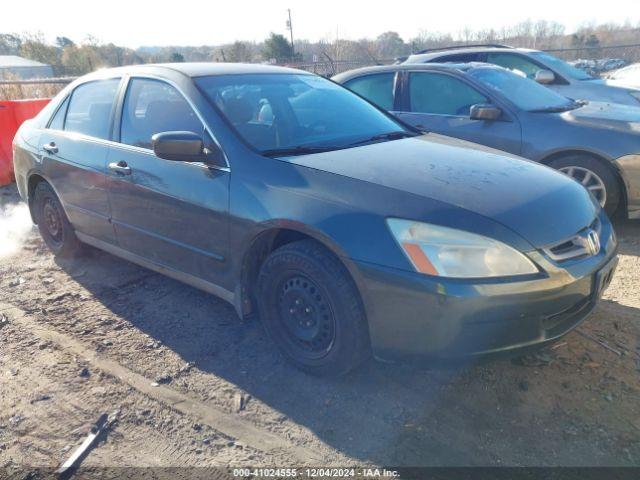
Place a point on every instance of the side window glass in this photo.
(459, 58)
(153, 106)
(376, 88)
(57, 122)
(441, 94)
(516, 63)
(90, 107)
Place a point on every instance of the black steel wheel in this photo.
(312, 309)
(54, 226)
(306, 315)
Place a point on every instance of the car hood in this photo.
(627, 84)
(601, 90)
(608, 116)
(611, 83)
(540, 204)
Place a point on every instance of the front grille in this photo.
(583, 244)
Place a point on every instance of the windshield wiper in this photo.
(384, 136)
(309, 149)
(297, 150)
(562, 108)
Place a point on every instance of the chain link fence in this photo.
(596, 59)
(17, 89)
(630, 53)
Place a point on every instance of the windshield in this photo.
(562, 67)
(524, 93)
(290, 114)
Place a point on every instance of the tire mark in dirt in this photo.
(219, 420)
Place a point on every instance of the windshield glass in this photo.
(524, 93)
(562, 67)
(291, 114)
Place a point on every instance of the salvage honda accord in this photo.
(344, 230)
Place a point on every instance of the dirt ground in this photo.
(195, 386)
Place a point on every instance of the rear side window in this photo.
(153, 106)
(440, 94)
(459, 58)
(90, 107)
(376, 88)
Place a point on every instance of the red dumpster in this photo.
(12, 114)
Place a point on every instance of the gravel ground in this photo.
(573, 404)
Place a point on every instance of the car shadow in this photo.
(628, 232)
(391, 414)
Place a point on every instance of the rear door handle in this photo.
(121, 167)
(50, 147)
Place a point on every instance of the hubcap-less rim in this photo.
(52, 221)
(306, 316)
(588, 180)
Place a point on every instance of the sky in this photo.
(135, 23)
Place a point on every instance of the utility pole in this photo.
(290, 28)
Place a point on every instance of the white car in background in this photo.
(628, 76)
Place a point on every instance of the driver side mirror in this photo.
(485, 112)
(184, 147)
(544, 77)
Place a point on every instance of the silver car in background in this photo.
(542, 67)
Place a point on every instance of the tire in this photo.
(54, 226)
(600, 173)
(312, 310)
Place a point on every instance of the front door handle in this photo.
(121, 167)
(50, 147)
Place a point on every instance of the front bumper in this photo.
(414, 315)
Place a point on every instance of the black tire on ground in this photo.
(54, 226)
(596, 166)
(311, 308)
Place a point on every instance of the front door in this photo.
(441, 103)
(173, 214)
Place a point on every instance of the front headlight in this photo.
(447, 252)
(635, 95)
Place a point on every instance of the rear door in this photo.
(75, 146)
(173, 214)
(441, 103)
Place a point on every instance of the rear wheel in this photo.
(54, 226)
(311, 308)
(594, 176)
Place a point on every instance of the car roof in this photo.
(429, 55)
(460, 67)
(196, 69)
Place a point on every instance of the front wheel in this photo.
(593, 175)
(312, 309)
